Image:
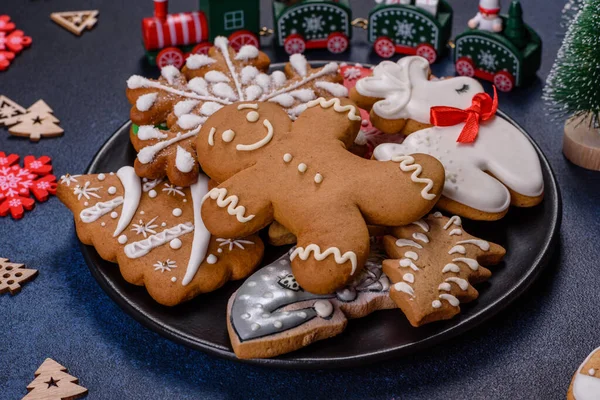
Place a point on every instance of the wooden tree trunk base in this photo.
(581, 143)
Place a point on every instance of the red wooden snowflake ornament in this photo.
(12, 41)
(18, 183)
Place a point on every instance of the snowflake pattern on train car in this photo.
(17, 183)
(406, 27)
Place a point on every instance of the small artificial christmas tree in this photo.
(515, 29)
(573, 87)
(53, 383)
(37, 122)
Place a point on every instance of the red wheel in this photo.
(384, 47)
(504, 81)
(337, 43)
(294, 44)
(465, 67)
(170, 56)
(201, 48)
(427, 51)
(240, 38)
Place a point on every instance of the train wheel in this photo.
(384, 47)
(465, 67)
(170, 56)
(504, 81)
(294, 44)
(337, 43)
(427, 51)
(201, 48)
(241, 38)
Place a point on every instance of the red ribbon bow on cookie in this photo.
(483, 107)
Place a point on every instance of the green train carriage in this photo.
(508, 59)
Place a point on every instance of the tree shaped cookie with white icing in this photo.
(185, 99)
(433, 265)
(302, 175)
(400, 95)
(154, 231)
(585, 384)
(271, 314)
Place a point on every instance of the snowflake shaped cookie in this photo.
(18, 183)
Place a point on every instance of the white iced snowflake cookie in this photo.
(483, 178)
(401, 94)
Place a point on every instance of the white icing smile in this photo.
(260, 143)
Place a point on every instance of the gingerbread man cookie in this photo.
(154, 231)
(270, 314)
(434, 265)
(185, 99)
(400, 95)
(302, 175)
(585, 384)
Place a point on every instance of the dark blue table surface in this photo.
(529, 351)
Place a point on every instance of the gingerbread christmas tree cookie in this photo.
(307, 180)
(185, 99)
(433, 265)
(154, 231)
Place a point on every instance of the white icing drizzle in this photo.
(185, 107)
(184, 160)
(408, 277)
(455, 232)
(455, 219)
(91, 214)
(249, 72)
(404, 287)
(284, 100)
(222, 44)
(201, 234)
(299, 63)
(458, 249)
(132, 187)
(412, 255)
(196, 61)
(446, 287)
(473, 264)
(245, 106)
(422, 224)
(146, 101)
(260, 143)
(215, 77)
(190, 121)
(246, 53)
(220, 195)
(170, 73)
(337, 107)
(147, 154)
(462, 284)
(450, 299)
(451, 268)
(211, 136)
(340, 258)
(586, 387)
(197, 85)
(147, 132)
(323, 308)
(304, 95)
(421, 237)
(407, 262)
(482, 244)
(143, 247)
(327, 69)
(335, 89)
(407, 164)
(407, 242)
(149, 185)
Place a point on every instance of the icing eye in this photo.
(228, 135)
(463, 89)
(252, 116)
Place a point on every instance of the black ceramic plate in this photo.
(528, 235)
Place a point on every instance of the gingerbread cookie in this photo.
(433, 265)
(271, 314)
(307, 180)
(154, 231)
(489, 163)
(400, 95)
(585, 384)
(185, 99)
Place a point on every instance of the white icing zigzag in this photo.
(337, 106)
(91, 214)
(340, 258)
(407, 164)
(143, 247)
(220, 195)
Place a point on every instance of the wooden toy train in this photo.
(421, 27)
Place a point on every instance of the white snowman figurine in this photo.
(487, 18)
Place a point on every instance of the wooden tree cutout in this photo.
(434, 263)
(53, 383)
(9, 109)
(13, 275)
(76, 21)
(38, 121)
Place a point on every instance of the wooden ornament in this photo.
(9, 109)
(13, 275)
(38, 121)
(581, 142)
(52, 382)
(76, 21)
